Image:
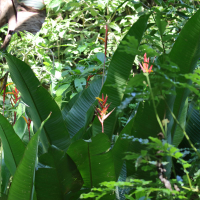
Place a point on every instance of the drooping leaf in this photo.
(40, 104)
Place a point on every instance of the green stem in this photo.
(189, 181)
(154, 105)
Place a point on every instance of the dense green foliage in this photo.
(62, 139)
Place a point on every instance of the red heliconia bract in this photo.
(101, 112)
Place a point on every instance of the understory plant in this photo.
(73, 151)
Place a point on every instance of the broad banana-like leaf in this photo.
(40, 104)
(144, 124)
(185, 53)
(192, 126)
(76, 117)
(121, 146)
(118, 73)
(59, 178)
(12, 145)
(93, 159)
(83, 132)
(67, 107)
(23, 181)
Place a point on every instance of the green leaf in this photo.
(40, 104)
(61, 89)
(58, 179)
(83, 132)
(75, 118)
(20, 127)
(185, 54)
(54, 3)
(100, 56)
(160, 23)
(79, 83)
(23, 181)
(192, 126)
(118, 74)
(182, 14)
(120, 147)
(93, 159)
(93, 12)
(144, 124)
(12, 145)
(148, 50)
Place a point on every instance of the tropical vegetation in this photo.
(101, 102)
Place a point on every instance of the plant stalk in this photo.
(154, 105)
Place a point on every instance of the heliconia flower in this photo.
(15, 93)
(145, 66)
(28, 122)
(14, 99)
(102, 112)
